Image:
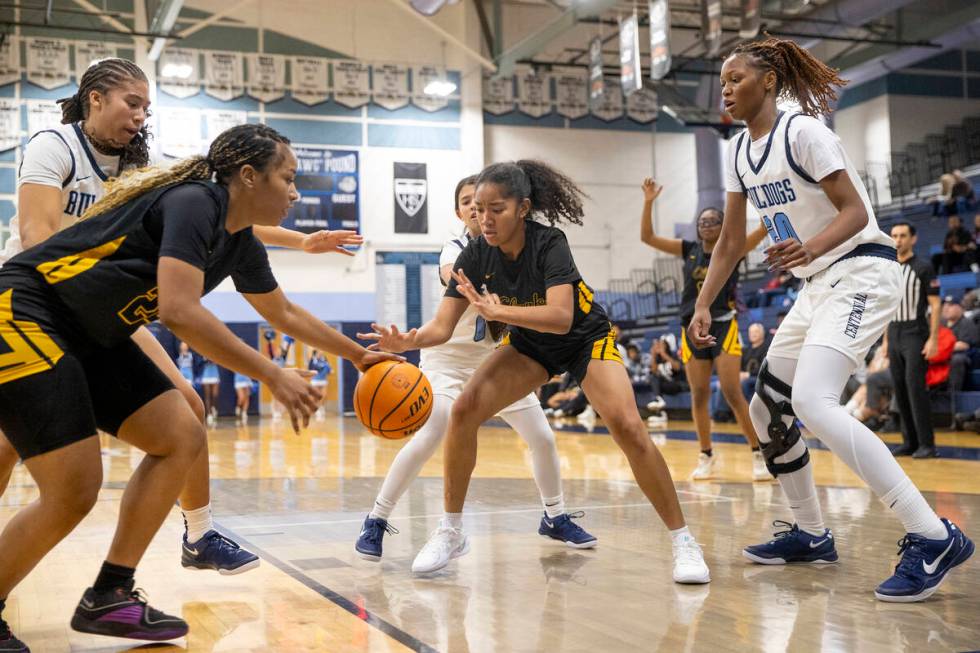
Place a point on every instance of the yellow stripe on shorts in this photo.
(604, 349)
(686, 353)
(733, 341)
(31, 350)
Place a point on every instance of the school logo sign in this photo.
(411, 193)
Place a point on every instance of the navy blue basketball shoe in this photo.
(369, 541)
(925, 565)
(215, 551)
(793, 545)
(563, 529)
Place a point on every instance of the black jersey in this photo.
(104, 269)
(696, 262)
(545, 261)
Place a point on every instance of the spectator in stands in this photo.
(870, 401)
(752, 357)
(725, 356)
(569, 401)
(666, 373)
(967, 337)
(619, 340)
(638, 367)
(779, 320)
(955, 193)
(958, 249)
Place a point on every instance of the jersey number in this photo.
(779, 227)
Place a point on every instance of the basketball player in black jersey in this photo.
(726, 355)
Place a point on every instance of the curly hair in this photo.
(250, 144)
(799, 75)
(105, 76)
(552, 194)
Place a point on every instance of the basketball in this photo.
(393, 400)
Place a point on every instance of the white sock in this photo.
(911, 507)
(680, 535)
(198, 523)
(382, 508)
(453, 520)
(554, 507)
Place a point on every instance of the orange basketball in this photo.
(393, 400)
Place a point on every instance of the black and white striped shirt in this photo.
(918, 282)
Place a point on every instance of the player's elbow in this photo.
(563, 322)
(174, 314)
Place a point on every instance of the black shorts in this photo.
(55, 388)
(727, 340)
(574, 359)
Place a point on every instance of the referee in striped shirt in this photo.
(912, 339)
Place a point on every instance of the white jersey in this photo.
(780, 175)
(62, 158)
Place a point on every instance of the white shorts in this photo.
(846, 306)
(449, 383)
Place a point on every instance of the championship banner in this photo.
(328, 183)
(498, 94)
(597, 83)
(411, 193)
(9, 61)
(659, 39)
(630, 75)
(89, 52)
(266, 76)
(389, 86)
(610, 105)
(711, 26)
(41, 115)
(179, 131)
(351, 83)
(224, 75)
(751, 19)
(47, 62)
(533, 93)
(179, 72)
(572, 93)
(311, 83)
(9, 124)
(642, 106)
(421, 76)
(216, 122)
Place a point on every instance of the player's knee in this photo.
(700, 397)
(75, 496)
(732, 392)
(468, 408)
(628, 430)
(8, 455)
(194, 401)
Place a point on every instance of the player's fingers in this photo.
(340, 250)
(368, 336)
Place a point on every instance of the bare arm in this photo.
(932, 343)
(754, 238)
(435, 332)
(555, 316)
(672, 246)
(319, 242)
(39, 213)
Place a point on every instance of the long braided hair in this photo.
(551, 193)
(105, 76)
(799, 75)
(250, 144)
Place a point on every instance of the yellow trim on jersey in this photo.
(733, 341)
(605, 349)
(584, 298)
(73, 265)
(31, 350)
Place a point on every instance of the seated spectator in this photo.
(967, 337)
(638, 367)
(937, 373)
(568, 401)
(958, 249)
(619, 339)
(955, 192)
(666, 377)
(752, 356)
(870, 402)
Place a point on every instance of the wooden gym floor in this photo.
(298, 501)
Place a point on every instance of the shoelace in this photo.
(578, 514)
(688, 551)
(442, 542)
(224, 541)
(910, 561)
(789, 529)
(375, 534)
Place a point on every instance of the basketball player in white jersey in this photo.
(448, 367)
(62, 173)
(797, 176)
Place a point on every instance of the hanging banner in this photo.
(572, 93)
(421, 76)
(41, 115)
(610, 105)
(47, 62)
(311, 84)
(630, 74)
(328, 183)
(659, 39)
(216, 122)
(179, 131)
(9, 61)
(266, 76)
(642, 106)
(88, 53)
(711, 26)
(9, 124)
(411, 193)
(179, 72)
(597, 83)
(389, 86)
(498, 94)
(751, 19)
(351, 83)
(533, 93)
(224, 75)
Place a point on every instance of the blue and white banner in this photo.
(328, 181)
(266, 76)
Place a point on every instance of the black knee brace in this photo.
(781, 437)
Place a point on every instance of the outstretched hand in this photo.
(487, 304)
(651, 190)
(389, 339)
(325, 242)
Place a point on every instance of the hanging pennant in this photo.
(389, 86)
(351, 83)
(421, 76)
(89, 52)
(572, 93)
(266, 76)
(41, 115)
(642, 106)
(751, 19)
(179, 72)
(179, 131)
(218, 121)
(498, 94)
(533, 93)
(311, 83)
(9, 124)
(711, 26)
(9, 61)
(659, 39)
(630, 75)
(597, 82)
(610, 106)
(47, 62)
(224, 76)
